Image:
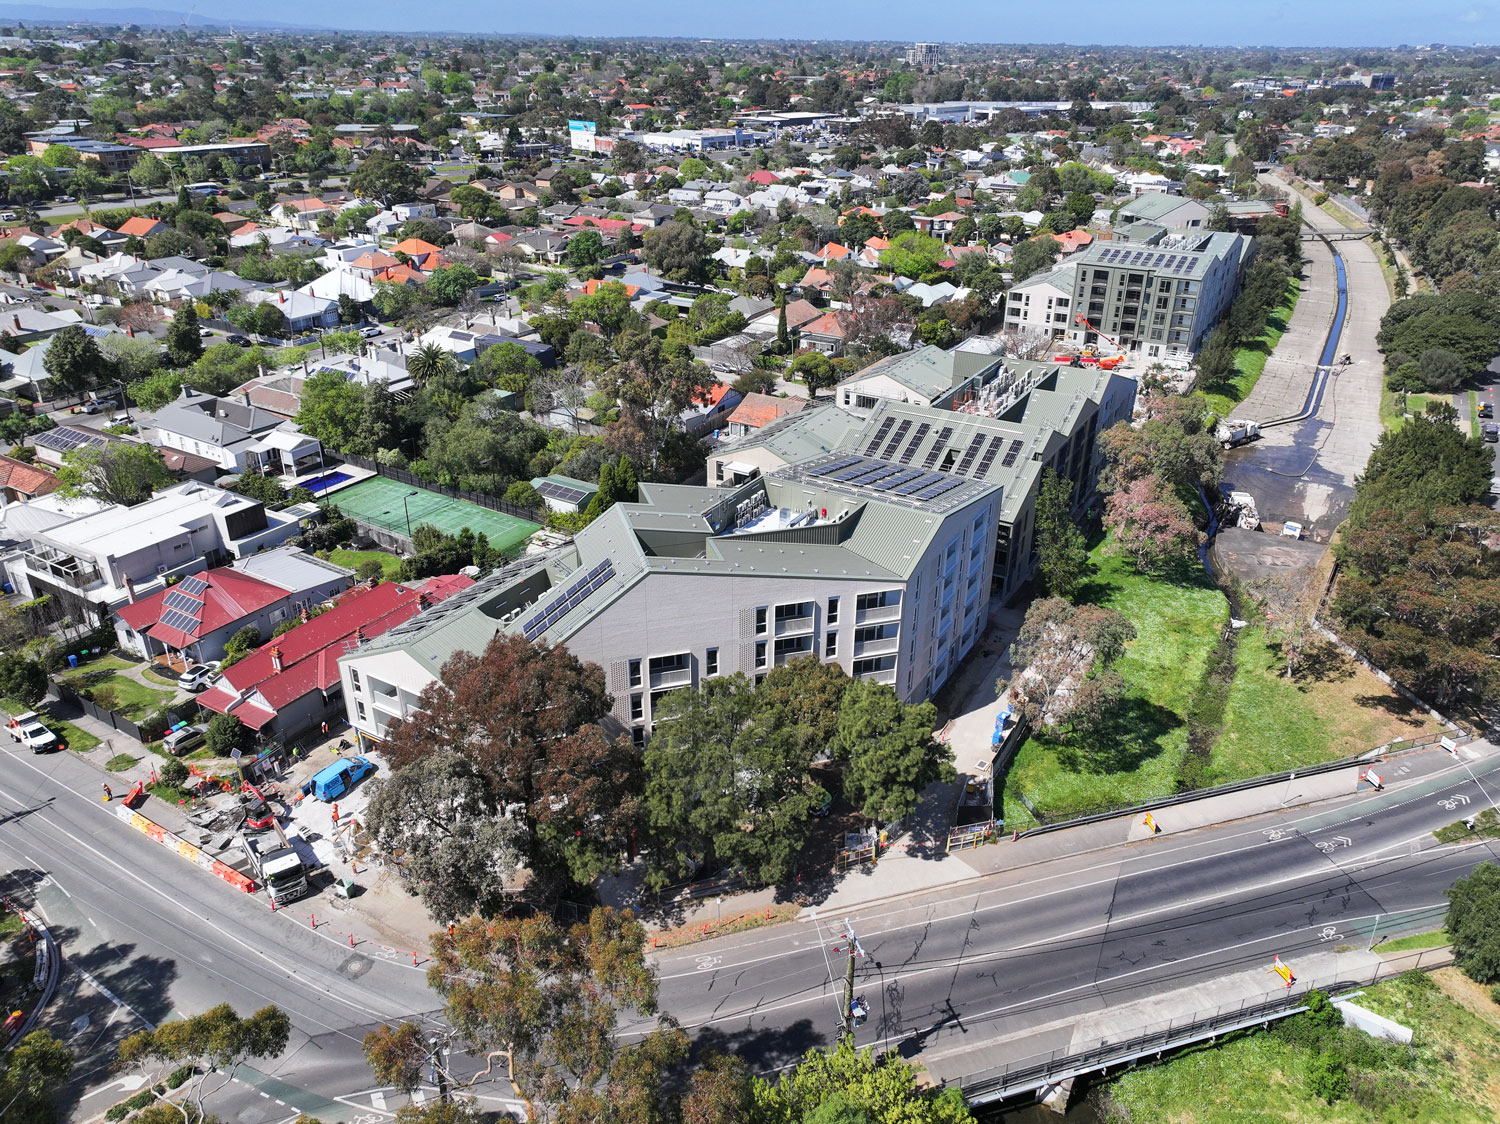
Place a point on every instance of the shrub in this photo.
(182, 1072)
(1327, 1077)
(369, 568)
(175, 773)
(1495, 995)
(117, 1112)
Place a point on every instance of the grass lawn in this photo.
(120, 762)
(1334, 709)
(1450, 1073)
(1177, 626)
(1392, 415)
(1250, 361)
(390, 564)
(132, 698)
(1435, 939)
(157, 677)
(103, 663)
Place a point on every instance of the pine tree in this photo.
(1062, 555)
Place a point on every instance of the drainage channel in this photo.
(1324, 370)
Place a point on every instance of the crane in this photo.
(1084, 320)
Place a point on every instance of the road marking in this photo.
(112, 997)
(377, 1100)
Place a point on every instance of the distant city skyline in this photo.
(1165, 23)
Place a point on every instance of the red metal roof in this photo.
(231, 596)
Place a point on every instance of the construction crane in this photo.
(1084, 320)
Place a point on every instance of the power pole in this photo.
(848, 1017)
(437, 1068)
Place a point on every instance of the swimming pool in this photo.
(327, 480)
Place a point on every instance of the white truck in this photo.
(278, 866)
(1236, 431)
(30, 731)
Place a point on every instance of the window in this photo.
(637, 708)
(635, 673)
(802, 610)
(638, 736)
(790, 646)
(359, 710)
(881, 600)
(874, 665)
(760, 621)
(711, 662)
(354, 678)
(830, 645)
(864, 401)
(866, 633)
(833, 610)
(663, 665)
(760, 653)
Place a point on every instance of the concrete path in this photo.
(1283, 386)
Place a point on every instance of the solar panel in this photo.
(193, 587)
(65, 438)
(833, 466)
(1011, 454)
(179, 600)
(560, 492)
(969, 454)
(885, 427)
(939, 445)
(933, 491)
(900, 480)
(989, 456)
(180, 621)
(901, 431)
(916, 439)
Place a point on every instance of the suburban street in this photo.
(147, 937)
(948, 970)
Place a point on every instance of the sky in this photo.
(1271, 22)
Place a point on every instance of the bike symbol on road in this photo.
(1329, 846)
(1275, 833)
(1454, 801)
(708, 963)
(1328, 933)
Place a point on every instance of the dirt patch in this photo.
(1473, 997)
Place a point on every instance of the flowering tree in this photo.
(1151, 526)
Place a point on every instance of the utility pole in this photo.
(850, 1015)
(438, 1071)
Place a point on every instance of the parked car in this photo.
(196, 677)
(98, 405)
(1491, 431)
(1495, 485)
(371, 332)
(27, 728)
(1486, 409)
(204, 333)
(237, 341)
(182, 739)
(67, 198)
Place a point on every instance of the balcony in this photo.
(876, 647)
(878, 614)
(794, 626)
(66, 569)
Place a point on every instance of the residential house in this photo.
(291, 682)
(756, 411)
(826, 334)
(563, 494)
(238, 437)
(304, 311)
(20, 481)
(1043, 302)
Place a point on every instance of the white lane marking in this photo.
(377, 1100)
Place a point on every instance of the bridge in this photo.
(1349, 234)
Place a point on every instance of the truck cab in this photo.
(278, 866)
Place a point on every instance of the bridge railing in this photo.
(1037, 1071)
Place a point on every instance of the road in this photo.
(950, 970)
(147, 937)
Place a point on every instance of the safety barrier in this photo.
(46, 974)
(193, 853)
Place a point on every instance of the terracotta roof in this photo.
(591, 287)
(230, 596)
(757, 410)
(178, 461)
(141, 226)
(25, 479)
(800, 312)
(306, 658)
(826, 325)
(414, 247)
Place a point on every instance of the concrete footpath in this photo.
(1283, 386)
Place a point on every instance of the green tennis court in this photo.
(378, 501)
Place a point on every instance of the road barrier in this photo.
(44, 978)
(191, 852)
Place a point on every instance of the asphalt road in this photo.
(948, 970)
(146, 937)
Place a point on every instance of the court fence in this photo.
(411, 480)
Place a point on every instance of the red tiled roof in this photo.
(591, 286)
(763, 177)
(309, 654)
(757, 410)
(231, 596)
(25, 479)
(141, 226)
(414, 247)
(826, 325)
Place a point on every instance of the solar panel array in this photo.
(901, 431)
(193, 587)
(989, 456)
(1012, 453)
(969, 454)
(916, 439)
(885, 427)
(569, 599)
(65, 438)
(176, 599)
(560, 492)
(176, 618)
(1159, 260)
(938, 446)
(882, 476)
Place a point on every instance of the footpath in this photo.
(1283, 386)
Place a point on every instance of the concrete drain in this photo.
(355, 966)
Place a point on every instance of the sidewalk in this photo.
(1282, 387)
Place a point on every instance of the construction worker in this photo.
(108, 795)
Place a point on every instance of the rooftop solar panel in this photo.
(939, 444)
(560, 492)
(969, 454)
(172, 618)
(1011, 454)
(885, 427)
(833, 466)
(193, 586)
(178, 600)
(901, 431)
(916, 439)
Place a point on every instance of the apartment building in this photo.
(98, 562)
(1161, 298)
(1043, 303)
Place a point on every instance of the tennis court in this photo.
(377, 501)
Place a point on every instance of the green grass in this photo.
(120, 762)
(10, 923)
(1437, 938)
(102, 663)
(70, 735)
(133, 698)
(378, 501)
(1473, 413)
(1449, 1075)
(1250, 360)
(1177, 626)
(390, 564)
(1391, 413)
(1332, 709)
(1485, 827)
(158, 677)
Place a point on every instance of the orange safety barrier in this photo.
(187, 850)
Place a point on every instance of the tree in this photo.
(678, 250)
(550, 996)
(913, 254)
(120, 472)
(216, 1042)
(22, 679)
(892, 754)
(1062, 660)
(244, 641)
(617, 484)
(331, 409)
(449, 285)
(1174, 444)
(226, 733)
(184, 345)
(31, 1076)
(1035, 255)
(525, 715)
(149, 172)
(73, 361)
(805, 695)
(454, 846)
(816, 371)
(429, 362)
(396, 1054)
(169, 244)
(385, 180)
(586, 248)
(133, 357)
(882, 1087)
(1062, 554)
(727, 785)
(1151, 525)
(1474, 923)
